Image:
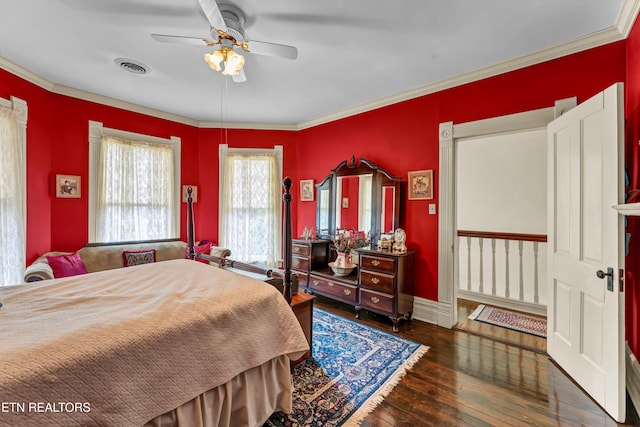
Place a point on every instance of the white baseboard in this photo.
(633, 377)
(425, 310)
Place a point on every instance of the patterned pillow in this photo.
(146, 256)
(203, 248)
(66, 265)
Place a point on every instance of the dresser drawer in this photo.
(377, 281)
(378, 263)
(342, 291)
(299, 263)
(377, 301)
(300, 250)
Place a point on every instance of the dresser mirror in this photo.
(357, 195)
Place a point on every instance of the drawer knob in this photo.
(347, 291)
(375, 300)
(375, 280)
(375, 263)
(316, 283)
(331, 284)
(296, 249)
(296, 262)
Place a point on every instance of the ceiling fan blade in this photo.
(240, 78)
(270, 49)
(197, 41)
(212, 12)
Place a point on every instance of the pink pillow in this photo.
(130, 258)
(66, 265)
(202, 248)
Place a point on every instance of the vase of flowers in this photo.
(345, 242)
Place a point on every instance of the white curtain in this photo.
(12, 197)
(135, 190)
(250, 205)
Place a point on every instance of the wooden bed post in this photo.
(190, 243)
(286, 291)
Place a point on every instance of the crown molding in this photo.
(25, 74)
(590, 41)
(627, 17)
(247, 125)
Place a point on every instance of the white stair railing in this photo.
(516, 274)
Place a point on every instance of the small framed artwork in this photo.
(68, 186)
(306, 190)
(345, 202)
(194, 193)
(420, 185)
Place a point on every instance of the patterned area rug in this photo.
(511, 320)
(352, 368)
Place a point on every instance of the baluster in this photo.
(506, 269)
(493, 267)
(520, 246)
(535, 273)
(468, 263)
(481, 285)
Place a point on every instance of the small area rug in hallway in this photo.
(352, 368)
(516, 321)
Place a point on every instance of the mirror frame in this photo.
(380, 178)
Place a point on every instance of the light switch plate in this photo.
(432, 208)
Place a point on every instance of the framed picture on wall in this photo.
(420, 186)
(68, 186)
(306, 190)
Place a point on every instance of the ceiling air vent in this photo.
(132, 66)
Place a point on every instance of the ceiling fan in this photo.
(227, 31)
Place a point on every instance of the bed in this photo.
(171, 343)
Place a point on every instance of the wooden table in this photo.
(302, 306)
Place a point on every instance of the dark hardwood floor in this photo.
(470, 380)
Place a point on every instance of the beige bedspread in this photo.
(118, 347)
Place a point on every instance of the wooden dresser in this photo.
(308, 255)
(382, 283)
(386, 284)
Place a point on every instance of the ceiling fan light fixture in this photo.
(226, 60)
(215, 59)
(233, 64)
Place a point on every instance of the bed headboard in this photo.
(225, 262)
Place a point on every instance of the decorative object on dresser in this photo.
(383, 280)
(399, 237)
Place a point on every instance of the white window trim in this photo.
(96, 132)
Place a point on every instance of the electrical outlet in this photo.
(432, 208)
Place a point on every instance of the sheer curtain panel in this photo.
(135, 190)
(13, 116)
(250, 203)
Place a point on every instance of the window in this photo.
(13, 123)
(134, 191)
(251, 203)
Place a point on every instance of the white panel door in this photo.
(585, 253)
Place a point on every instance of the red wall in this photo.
(632, 160)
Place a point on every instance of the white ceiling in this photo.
(353, 55)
